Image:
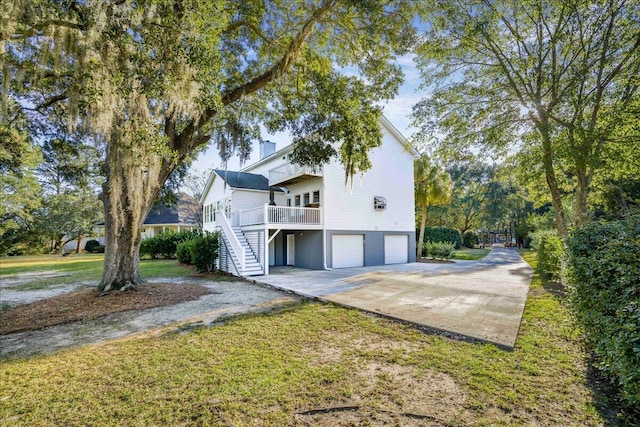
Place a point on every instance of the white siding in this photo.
(264, 168)
(307, 186)
(391, 177)
(218, 191)
(247, 199)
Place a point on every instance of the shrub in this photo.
(205, 252)
(604, 278)
(99, 249)
(185, 251)
(470, 239)
(439, 250)
(91, 245)
(166, 244)
(550, 253)
(442, 234)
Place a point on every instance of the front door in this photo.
(291, 249)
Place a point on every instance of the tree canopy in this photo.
(157, 80)
(557, 78)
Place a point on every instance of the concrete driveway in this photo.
(482, 299)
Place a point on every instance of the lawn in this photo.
(470, 254)
(314, 364)
(75, 268)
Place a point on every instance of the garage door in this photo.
(396, 249)
(347, 250)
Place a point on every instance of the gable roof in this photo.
(228, 177)
(185, 212)
(249, 181)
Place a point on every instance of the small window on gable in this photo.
(316, 197)
(297, 200)
(306, 199)
(379, 203)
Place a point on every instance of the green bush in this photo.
(98, 249)
(550, 253)
(165, 244)
(185, 251)
(442, 234)
(604, 279)
(205, 252)
(91, 245)
(470, 239)
(439, 250)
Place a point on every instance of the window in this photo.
(379, 203)
(289, 201)
(316, 197)
(297, 200)
(306, 199)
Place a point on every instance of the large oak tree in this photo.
(563, 75)
(159, 79)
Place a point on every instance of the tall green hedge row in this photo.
(604, 277)
(550, 253)
(442, 234)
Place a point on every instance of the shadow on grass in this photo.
(614, 410)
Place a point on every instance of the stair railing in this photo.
(234, 243)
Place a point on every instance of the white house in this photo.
(184, 215)
(276, 213)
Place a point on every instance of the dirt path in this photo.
(226, 299)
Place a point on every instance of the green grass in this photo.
(76, 268)
(263, 370)
(470, 254)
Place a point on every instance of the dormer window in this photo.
(379, 203)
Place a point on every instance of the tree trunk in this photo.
(556, 199)
(134, 178)
(78, 243)
(581, 195)
(423, 222)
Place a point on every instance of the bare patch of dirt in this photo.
(391, 394)
(85, 304)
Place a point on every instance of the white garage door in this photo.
(396, 249)
(347, 250)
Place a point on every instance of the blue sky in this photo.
(396, 110)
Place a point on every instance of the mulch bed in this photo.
(435, 261)
(86, 305)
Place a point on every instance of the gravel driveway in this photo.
(226, 299)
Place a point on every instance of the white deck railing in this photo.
(291, 170)
(236, 247)
(280, 215)
(252, 216)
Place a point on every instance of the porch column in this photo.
(267, 241)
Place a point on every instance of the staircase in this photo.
(252, 265)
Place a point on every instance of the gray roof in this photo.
(185, 212)
(250, 181)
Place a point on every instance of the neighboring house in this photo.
(276, 213)
(186, 215)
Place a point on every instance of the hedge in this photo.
(205, 252)
(165, 244)
(201, 252)
(439, 250)
(550, 253)
(91, 245)
(442, 234)
(604, 278)
(470, 239)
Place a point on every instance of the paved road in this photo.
(480, 299)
